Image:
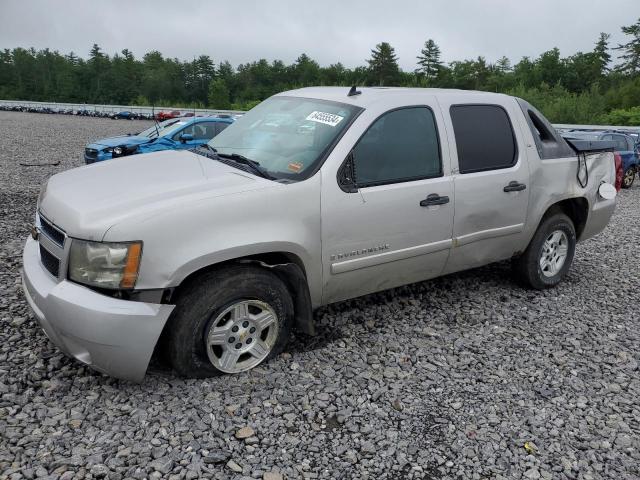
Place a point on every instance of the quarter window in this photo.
(484, 137)
(399, 146)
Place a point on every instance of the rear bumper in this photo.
(113, 336)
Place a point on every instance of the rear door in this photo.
(491, 182)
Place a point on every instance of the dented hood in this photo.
(87, 201)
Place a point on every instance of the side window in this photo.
(630, 144)
(401, 145)
(204, 131)
(484, 137)
(621, 143)
(220, 126)
(184, 131)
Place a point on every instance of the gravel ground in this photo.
(466, 376)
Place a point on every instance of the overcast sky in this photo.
(327, 30)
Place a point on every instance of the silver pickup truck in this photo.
(213, 256)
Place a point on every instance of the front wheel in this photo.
(628, 177)
(548, 257)
(229, 321)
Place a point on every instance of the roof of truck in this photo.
(370, 95)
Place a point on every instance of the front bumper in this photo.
(116, 337)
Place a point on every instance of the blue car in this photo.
(173, 134)
(126, 115)
(624, 144)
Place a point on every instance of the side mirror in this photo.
(347, 175)
(186, 137)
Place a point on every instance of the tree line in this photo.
(582, 88)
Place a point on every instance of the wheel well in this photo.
(287, 266)
(577, 209)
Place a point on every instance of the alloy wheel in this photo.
(241, 336)
(554, 253)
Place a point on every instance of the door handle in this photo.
(514, 187)
(434, 199)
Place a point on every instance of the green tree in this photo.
(601, 52)
(306, 71)
(219, 94)
(429, 61)
(383, 64)
(631, 50)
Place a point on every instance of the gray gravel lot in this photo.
(467, 376)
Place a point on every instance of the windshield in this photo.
(151, 131)
(287, 136)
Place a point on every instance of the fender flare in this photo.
(295, 280)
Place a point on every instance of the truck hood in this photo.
(128, 140)
(87, 201)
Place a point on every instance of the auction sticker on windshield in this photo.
(326, 118)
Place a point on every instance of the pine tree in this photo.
(503, 65)
(601, 52)
(383, 64)
(429, 60)
(631, 49)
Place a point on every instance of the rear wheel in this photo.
(628, 177)
(229, 321)
(548, 257)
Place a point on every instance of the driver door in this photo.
(395, 228)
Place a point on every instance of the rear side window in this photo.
(549, 142)
(484, 137)
(400, 146)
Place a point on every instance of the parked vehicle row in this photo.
(173, 134)
(318, 195)
(85, 112)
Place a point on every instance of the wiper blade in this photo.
(206, 151)
(252, 164)
(208, 147)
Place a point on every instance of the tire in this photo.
(528, 268)
(628, 177)
(229, 308)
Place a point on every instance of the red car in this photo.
(161, 116)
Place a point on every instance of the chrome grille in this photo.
(52, 232)
(49, 261)
(53, 246)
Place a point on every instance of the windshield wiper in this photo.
(252, 164)
(236, 158)
(208, 147)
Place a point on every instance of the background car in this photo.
(173, 134)
(161, 116)
(126, 115)
(624, 144)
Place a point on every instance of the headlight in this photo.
(105, 265)
(117, 150)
